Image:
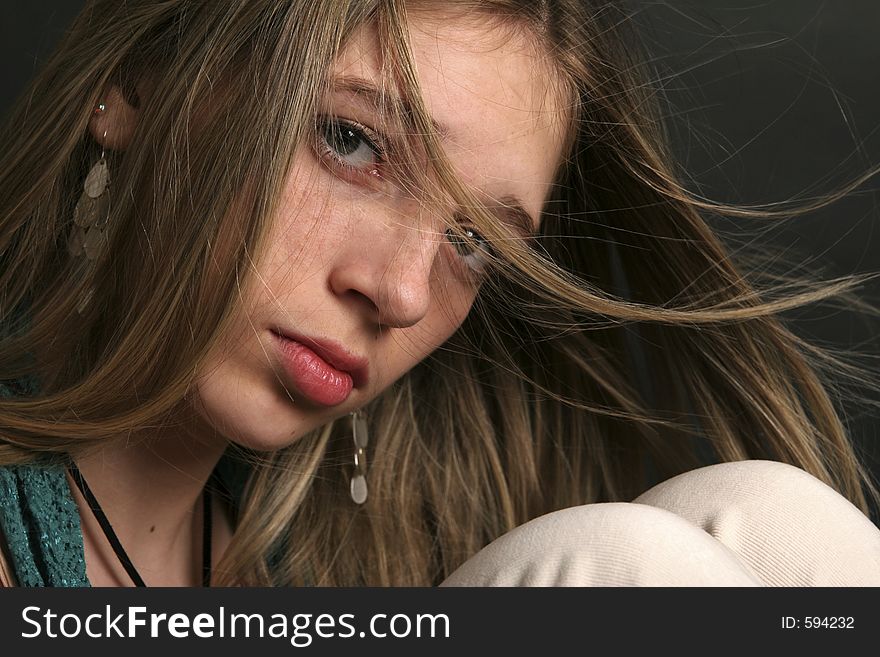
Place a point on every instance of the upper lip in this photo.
(334, 354)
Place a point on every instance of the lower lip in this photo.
(311, 375)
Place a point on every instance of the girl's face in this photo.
(360, 280)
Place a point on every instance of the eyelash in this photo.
(327, 127)
(479, 255)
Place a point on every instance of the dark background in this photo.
(779, 100)
(768, 101)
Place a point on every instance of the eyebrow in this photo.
(510, 207)
(378, 98)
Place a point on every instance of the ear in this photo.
(115, 119)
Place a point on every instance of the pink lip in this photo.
(323, 371)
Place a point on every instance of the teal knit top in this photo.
(40, 522)
(39, 519)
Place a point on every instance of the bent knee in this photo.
(608, 544)
(748, 480)
(754, 489)
(787, 525)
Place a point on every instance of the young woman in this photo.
(327, 292)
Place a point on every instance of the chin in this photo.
(263, 441)
(257, 424)
(268, 433)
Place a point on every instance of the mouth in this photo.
(322, 370)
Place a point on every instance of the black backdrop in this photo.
(768, 101)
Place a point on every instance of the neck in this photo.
(149, 486)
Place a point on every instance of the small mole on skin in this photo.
(153, 528)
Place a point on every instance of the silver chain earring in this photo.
(358, 487)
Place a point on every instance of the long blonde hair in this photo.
(541, 400)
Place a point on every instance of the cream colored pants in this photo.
(749, 523)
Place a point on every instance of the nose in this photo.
(388, 272)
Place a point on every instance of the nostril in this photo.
(360, 302)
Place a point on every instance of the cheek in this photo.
(237, 393)
(453, 292)
(452, 300)
(226, 378)
(452, 309)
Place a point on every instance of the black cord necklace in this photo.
(121, 554)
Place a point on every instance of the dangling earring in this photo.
(92, 210)
(359, 478)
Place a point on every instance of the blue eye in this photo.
(350, 145)
(471, 247)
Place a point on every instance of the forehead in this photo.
(490, 90)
